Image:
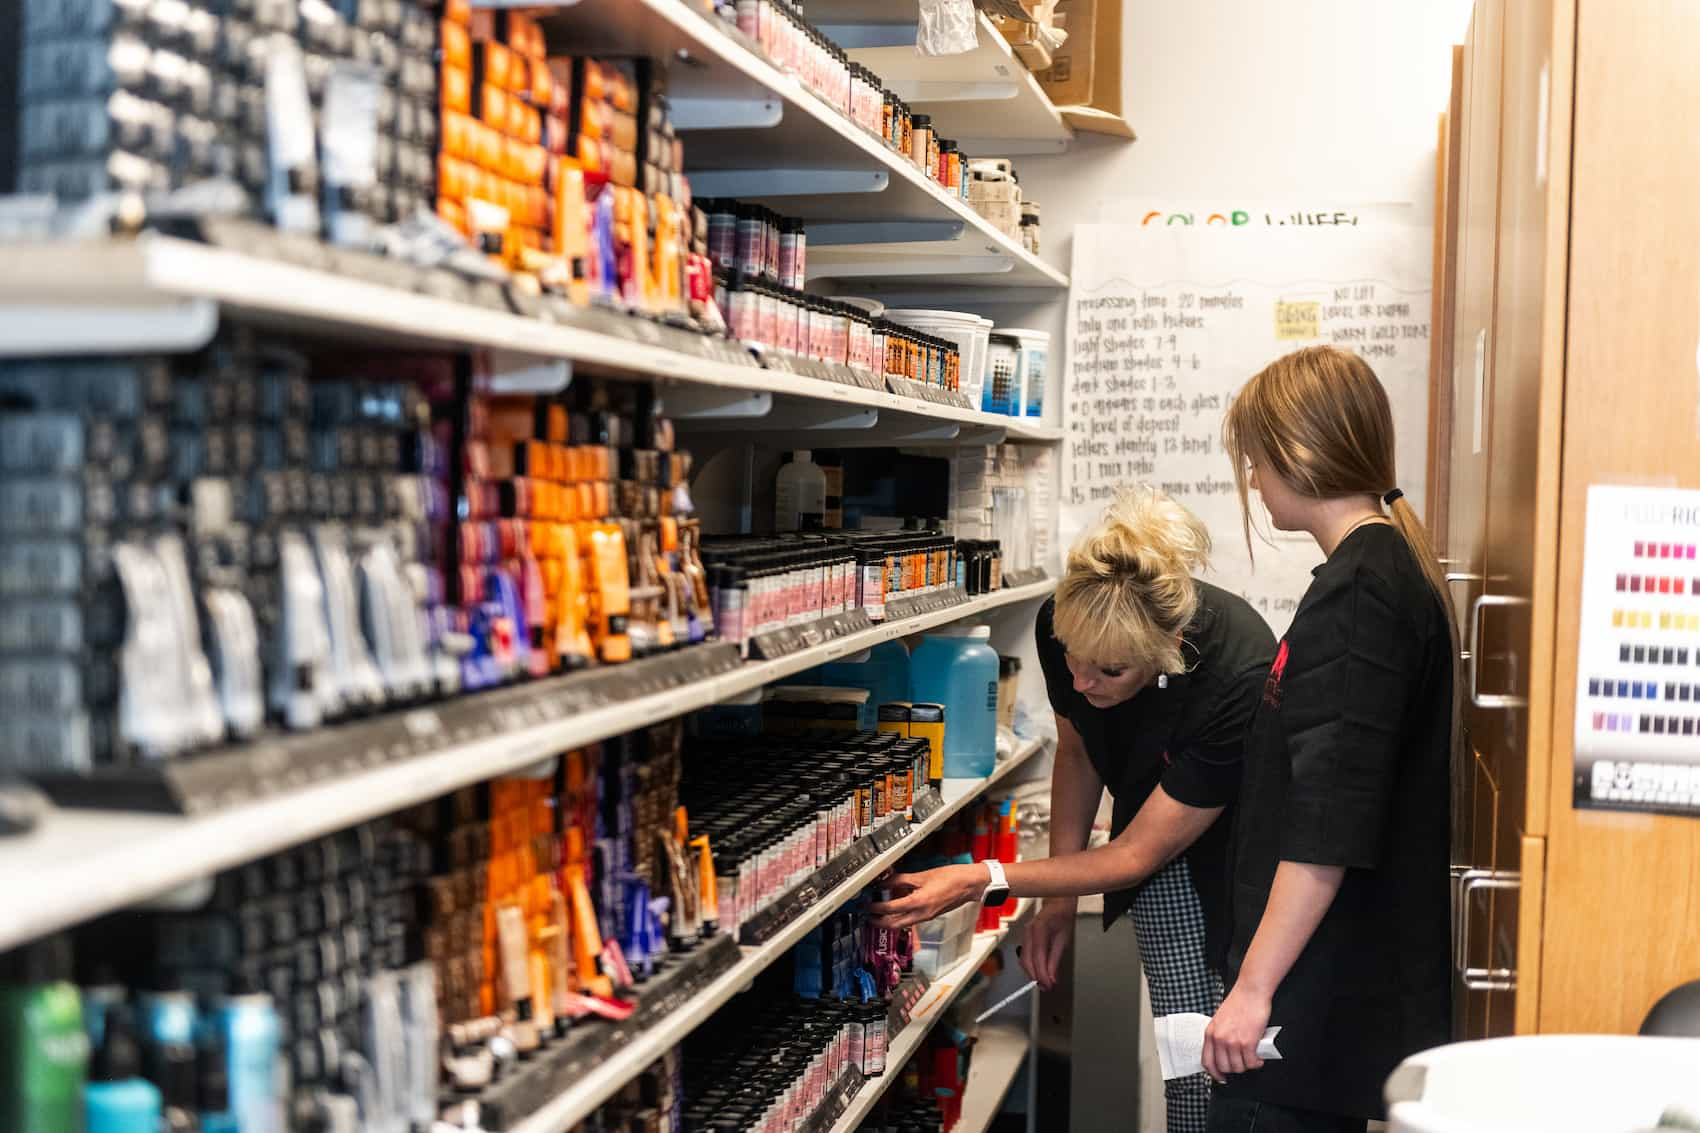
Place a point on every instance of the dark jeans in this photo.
(1243, 1115)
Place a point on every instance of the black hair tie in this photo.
(1393, 497)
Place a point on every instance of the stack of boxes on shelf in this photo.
(492, 164)
(333, 119)
(325, 115)
(196, 545)
(390, 969)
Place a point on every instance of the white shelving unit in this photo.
(950, 983)
(80, 863)
(986, 99)
(753, 132)
(158, 293)
(1000, 1051)
(581, 1098)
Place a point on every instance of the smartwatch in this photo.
(998, 891)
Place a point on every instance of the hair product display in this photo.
(199, 546)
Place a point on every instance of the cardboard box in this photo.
(1086, 72)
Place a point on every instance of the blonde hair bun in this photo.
(1128, 592)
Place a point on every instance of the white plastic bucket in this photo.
(966, 330)
(1544, 1084)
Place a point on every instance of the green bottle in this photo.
(44, 1051)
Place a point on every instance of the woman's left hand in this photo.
(928, 894)
(1230, 1041)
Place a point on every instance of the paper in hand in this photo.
(1180, 1044)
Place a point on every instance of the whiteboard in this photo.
(1167, 321)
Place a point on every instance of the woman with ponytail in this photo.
(1340, 907)
(1153, 676)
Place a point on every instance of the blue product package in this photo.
(251, 1031)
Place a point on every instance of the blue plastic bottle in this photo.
(117, 1098)
(882, 670)
(958, 668)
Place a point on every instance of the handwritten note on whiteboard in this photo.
(1167, 323)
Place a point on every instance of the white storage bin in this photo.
(1545, 1084)
(1002, 379)
(1035, 347)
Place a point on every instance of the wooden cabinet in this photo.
(1574, 363)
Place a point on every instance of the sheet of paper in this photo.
(1180, 1044)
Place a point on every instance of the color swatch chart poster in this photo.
(1638, 654)
(1168, 319)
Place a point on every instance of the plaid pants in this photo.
(1168, 922)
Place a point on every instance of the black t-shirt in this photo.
(1190, 736)
(1348, 764)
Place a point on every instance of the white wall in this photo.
(1290, 102)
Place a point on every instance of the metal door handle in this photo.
(1453, 578)
(1480, 979)
(1480, 699)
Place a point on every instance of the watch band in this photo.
(997, 892)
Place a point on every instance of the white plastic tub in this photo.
(1545, 1084)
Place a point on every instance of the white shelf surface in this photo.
(715, 74)
(999, 1053)
(580, 1099)
(77, 297)
(82, 863)
(950, 983)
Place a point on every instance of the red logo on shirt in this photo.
(1272, 686)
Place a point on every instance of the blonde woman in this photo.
(1153, 676)
(1340, 901)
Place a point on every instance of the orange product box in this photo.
(452, 182)
(594, 79)
(492, 64)
(452, 213)
(457, 89)
(458, 11)
(509, 165)
(555, 430)
(537, 210)
(623, 132)
(542, 84)
(487, 147)
(455, 44)
(524, 34)
(621, 91)
(519, 74)
(529, 121)
(484, 186)
(457, 130)
(493, 106)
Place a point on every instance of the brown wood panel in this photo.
(1478, 223)
(1621, 901)
(1523, 308)
(1473, 1010)
(1549, 411)
(1533, 896)
(1473, 259)
(1447, 170)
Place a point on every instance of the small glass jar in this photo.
(921, 142)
